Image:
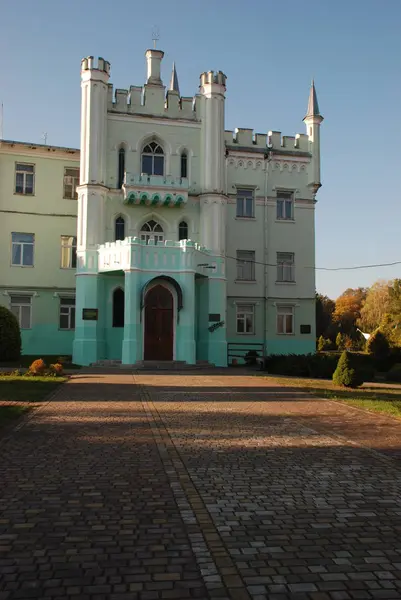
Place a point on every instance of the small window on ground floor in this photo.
(285, 320)
(67, 313)
(21, 307)
(245, 318)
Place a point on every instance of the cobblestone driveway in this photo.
(199, 486)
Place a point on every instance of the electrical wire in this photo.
(255, 262)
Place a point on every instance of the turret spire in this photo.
(174, 81)
(313, 106)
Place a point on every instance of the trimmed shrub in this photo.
(10, 336)
(38, 367)
(348, 373)
(394, 374)
(56, 369)
(321, 366)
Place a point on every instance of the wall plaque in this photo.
(90, 314)
(306, 329)
(214, 318)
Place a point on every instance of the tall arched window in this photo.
(184, 164)
(118, 308)
(121, 167)
(183, 231)
(153, 159)
(119, 233)
(152, 230)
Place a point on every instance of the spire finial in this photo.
(174, 81)
(155, 36)
(313, 106)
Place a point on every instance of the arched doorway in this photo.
(159, 324)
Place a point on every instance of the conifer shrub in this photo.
(10, 336)
(340, 341)
(348, 372)
(378, 345)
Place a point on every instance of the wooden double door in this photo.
(159, 324)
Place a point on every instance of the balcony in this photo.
(169, 256)
(155, 190)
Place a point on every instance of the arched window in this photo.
(153, 159)
(183, 231)
(184, 164)
(121, 167)
(118, 308)
(152, 230)
(119, 228)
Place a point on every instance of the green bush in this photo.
(394, 374)
(348, 372)
(10, 336)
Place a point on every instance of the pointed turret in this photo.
(313, 105)
(174, 81)
(313, 120)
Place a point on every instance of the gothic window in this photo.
(183, 231)
(118, 308)
(119, 228)
(153, 159)
(184, 164)
(152, 230)
(121, 167)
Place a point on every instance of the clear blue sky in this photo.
(269, 51)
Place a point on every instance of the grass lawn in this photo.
(26, 390)
(386, 399)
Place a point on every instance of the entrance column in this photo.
(131, 342)
(185, 330)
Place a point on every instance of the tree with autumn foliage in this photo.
(348, 309)
(375, 306)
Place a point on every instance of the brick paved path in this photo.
(199, 486)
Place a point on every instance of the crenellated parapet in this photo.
(152, 100)
(90, 64)
(247, 140)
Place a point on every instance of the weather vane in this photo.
(155, 36)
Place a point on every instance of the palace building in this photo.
(166, 237)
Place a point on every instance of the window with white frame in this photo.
(246, 318)
(24, 179)
(285, 320)
(245, 203)
(285, 206)
(285, 266)
(21, 307)
(67, 313)
(22, 246)
(153, 159)
(68, 252)
(70, 183)
(152, 231)
(246, 265)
